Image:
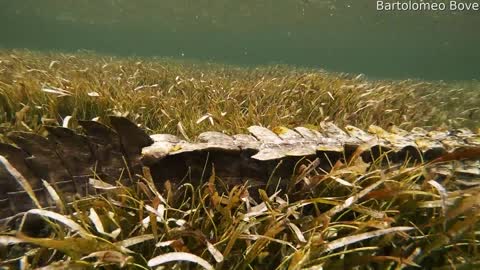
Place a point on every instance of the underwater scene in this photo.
(268, 134)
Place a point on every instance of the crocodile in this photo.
(68, 159)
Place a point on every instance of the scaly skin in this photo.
(67, 159)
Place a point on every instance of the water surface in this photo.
(345, 36)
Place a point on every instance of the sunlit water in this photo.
(346, 36)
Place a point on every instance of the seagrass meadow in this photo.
(350, 213)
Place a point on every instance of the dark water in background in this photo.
(347, 36)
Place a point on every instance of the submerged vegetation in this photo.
(352, 216)
(355, 216)
(162, 95)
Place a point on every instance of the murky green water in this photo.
(347, 36)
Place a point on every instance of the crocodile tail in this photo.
(67, 160)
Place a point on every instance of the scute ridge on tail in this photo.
(67, 159)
